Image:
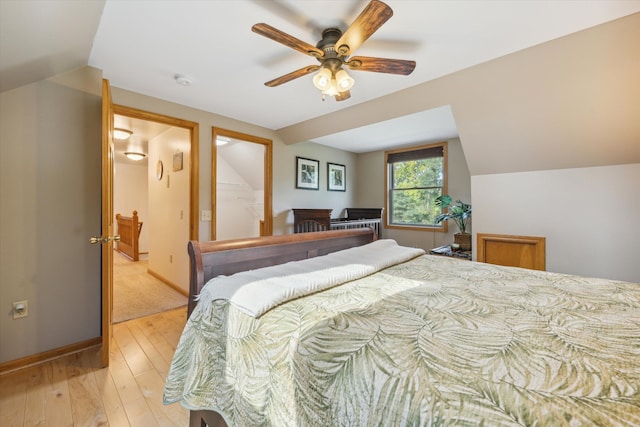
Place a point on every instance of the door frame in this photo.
(107, 193)
(194, 162)
(268, 174)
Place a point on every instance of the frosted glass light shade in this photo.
(322, 80)
(344, 81)
(332, 89)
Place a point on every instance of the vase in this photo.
(464, 240)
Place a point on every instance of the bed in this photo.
(425, 341)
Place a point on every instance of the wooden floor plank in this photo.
(86, 402)
(131, 350)
(113, 406)
(155, 357)
(57, 397)
(13, 398)
(136, 408)
(34, 414)
(152, 385)
(160, 343)
(169, 330)
(76, 391)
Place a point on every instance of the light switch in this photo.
(206, 215)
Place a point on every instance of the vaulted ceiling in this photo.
(141, 46)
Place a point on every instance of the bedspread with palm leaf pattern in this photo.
(431, 342)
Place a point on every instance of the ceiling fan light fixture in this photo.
(322, 80)
(134, 155)
(344, 81)
(332, 90)
(334, 50)
(121, 133)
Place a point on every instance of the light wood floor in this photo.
(75, 391)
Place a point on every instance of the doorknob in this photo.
(96, 239)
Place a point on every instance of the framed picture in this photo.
(336, 177)
(177, 162)
(307, 173)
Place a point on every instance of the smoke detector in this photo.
(183, 80)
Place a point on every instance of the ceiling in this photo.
(141, 46)
(142, 132)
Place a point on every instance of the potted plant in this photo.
(460, 213)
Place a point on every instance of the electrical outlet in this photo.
(20, 309)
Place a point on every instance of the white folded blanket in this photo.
(257, 291)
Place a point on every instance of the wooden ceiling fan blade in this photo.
(292, 75)
(274, 34)
(381, 65)
(370, 19)
(341, 96)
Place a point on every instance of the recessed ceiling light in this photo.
(183, 80)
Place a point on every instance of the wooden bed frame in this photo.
(129, 229)
(210, 259)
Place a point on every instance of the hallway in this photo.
(137, 293)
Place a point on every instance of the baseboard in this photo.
(169, 283)
(23, 362)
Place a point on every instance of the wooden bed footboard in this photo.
(210, 259)
(129, 229)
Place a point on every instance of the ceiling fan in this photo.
(333, 53)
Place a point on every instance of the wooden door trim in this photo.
(268, 175)
(106, 226)
(194, 157)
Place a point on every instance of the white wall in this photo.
(589, 216)
(130, 192)
(287, 197)
(234, 217)
(168, 220)
(50, 139)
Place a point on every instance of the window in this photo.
(414, 178)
